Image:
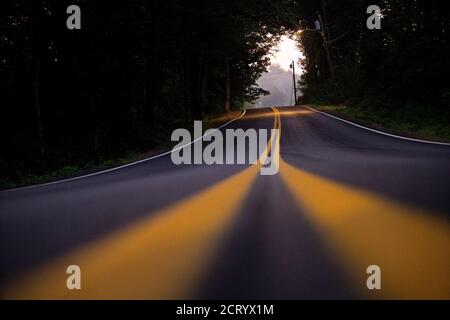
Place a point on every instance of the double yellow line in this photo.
(277, 120)
(276, 125)
(162, 256)
(363, 228)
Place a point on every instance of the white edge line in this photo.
(209, 131)
(380, 132)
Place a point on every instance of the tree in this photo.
(397, 69)
(132, 73)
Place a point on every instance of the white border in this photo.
(125, 165)
(380, 132)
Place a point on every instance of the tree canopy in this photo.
(134, 70)
(398, 68)
(138, 69)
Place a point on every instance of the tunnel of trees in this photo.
(137, 69)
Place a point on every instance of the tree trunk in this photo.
(37, 13)
(38, 108)
(227, 86)
(204, 81)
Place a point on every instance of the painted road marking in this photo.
(380, 132)
(363, 228)
(161, 257)
(125, 165)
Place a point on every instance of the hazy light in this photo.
(278, 78)
(285, 52)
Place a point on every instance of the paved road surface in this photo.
(345, 198)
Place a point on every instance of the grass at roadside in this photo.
(428, 128)
(70, 171)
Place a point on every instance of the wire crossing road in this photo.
(345, 198)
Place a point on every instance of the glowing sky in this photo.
(285, 52)
(279, 82)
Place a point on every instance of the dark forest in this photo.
(137, 69)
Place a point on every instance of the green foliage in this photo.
(136, 70)
(397, 71)
(416, 124)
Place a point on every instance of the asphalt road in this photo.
(345, 198)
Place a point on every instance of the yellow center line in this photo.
(163, 256)
(273, 144)
(410, 245)
(275, 126)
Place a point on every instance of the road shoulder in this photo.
(397, 128)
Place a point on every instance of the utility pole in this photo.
(327, 51)
(293, 79)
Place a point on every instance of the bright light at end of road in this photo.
(285, 52)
